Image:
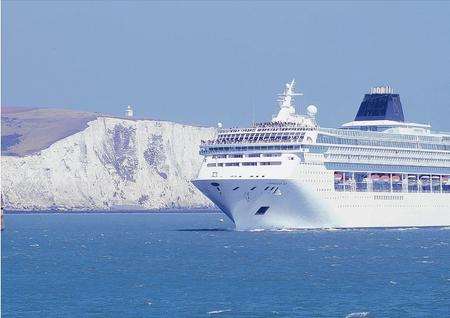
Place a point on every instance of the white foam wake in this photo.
(401, 229)
(215, 312)
(358, 314)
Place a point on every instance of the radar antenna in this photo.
(287, 114)
(286, 99)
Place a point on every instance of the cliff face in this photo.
(112, 163)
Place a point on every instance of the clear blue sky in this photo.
(201, 62)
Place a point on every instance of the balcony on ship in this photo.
(270, 132)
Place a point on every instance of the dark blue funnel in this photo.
(380, 107)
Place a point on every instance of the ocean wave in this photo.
(286, 230)
(344, 229)
(401, 229)
(215, 312)
(358, 314)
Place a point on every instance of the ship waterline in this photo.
(377, 171)
(297, 205)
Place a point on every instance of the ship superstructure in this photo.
(376, 171)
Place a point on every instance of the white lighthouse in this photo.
(129, 111)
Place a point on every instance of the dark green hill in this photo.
(28, 130)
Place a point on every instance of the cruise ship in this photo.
(375, 171)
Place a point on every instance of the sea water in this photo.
(196, 265)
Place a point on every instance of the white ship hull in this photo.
(377, 171)
(298, 205)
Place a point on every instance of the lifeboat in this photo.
(396, 178)
(425, 180)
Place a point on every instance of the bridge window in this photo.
(271, 155)
(270, 163)
(231, 164)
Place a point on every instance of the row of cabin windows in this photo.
(390, 182)
(326, 139)
(270, 127)
(237, 164)
(256, 138)
(333, 150)
(264, 135)
(248, 148)
(397, 137)
(252, 155)
(391, 158)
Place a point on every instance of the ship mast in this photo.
(286, 102)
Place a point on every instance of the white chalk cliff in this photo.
(113, 163)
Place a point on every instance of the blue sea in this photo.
(196, 265)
